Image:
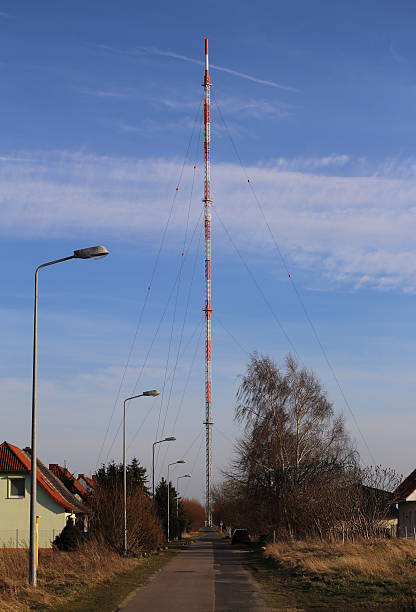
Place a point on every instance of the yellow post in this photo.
(37, 541)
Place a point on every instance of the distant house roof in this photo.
(69, 481)
(406, 488)
(89, 481)
(385, 499)
(15, 460)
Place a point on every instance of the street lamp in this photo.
(169, 439)
(169, 464)
(151, 393)
(88, 253)
(177, 493)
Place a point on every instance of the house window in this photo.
(16, 487)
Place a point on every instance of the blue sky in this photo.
(99, 104)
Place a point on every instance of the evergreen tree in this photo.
(112, 474)
(137, 475)
(176, 524)
(69, 538)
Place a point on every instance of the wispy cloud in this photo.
(398, 58)
(235, 106)
(354, 229)
(120, 94)
(313, 164)
(152, 126)
(185, 58)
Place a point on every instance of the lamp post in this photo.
(169, 464)
(177, 493)
(169, 439)
(152, 393)
(88, 253)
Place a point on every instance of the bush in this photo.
(69, 538)
(144, 532)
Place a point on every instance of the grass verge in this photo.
(377, 575)
(91, 578)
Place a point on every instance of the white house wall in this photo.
(14, 516)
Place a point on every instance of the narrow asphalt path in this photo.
(206, 577)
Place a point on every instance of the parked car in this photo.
(241, 536)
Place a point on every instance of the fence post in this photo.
(17, 538)
(53, 535)
(274, 536)
(405, 531)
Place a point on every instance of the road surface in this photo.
(206, 577)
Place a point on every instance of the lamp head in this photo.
(91, 252)
(170, 439)
(181, 461)
(151, 393)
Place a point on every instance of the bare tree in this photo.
(194, 512)
(294, 452)
(144, 531)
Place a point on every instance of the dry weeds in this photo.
(60, 575)
(392, 560)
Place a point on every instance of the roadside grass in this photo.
(91, 578)
(302, 575)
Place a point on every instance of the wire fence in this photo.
(19, 538)
(405, 531)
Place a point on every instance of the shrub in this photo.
(144, 532)
(69, 538)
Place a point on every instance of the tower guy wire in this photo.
(294, 285)
(142, 309)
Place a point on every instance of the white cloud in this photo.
(234, 106)
(355, 228)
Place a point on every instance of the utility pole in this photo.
(208, 308)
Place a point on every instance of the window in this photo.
(16, 487)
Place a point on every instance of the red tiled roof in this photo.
(90, 481)
(13, 459)
(9, 461)
(69, 480)
(406, 488)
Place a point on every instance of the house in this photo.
(81, 492)
(55, 503)
(88, 483)
(405, 496)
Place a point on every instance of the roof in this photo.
(406, 488)
(9, 459)
(384, 499)
(77, 506)
(69, 480)
(14, 460)
(89, 481)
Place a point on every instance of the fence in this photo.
(19, 538)
(407, 532)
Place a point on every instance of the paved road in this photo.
(206, 577)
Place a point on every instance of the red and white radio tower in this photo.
(208, 308)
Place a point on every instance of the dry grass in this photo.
(314, 575)
(60, 575)
(385, 559)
